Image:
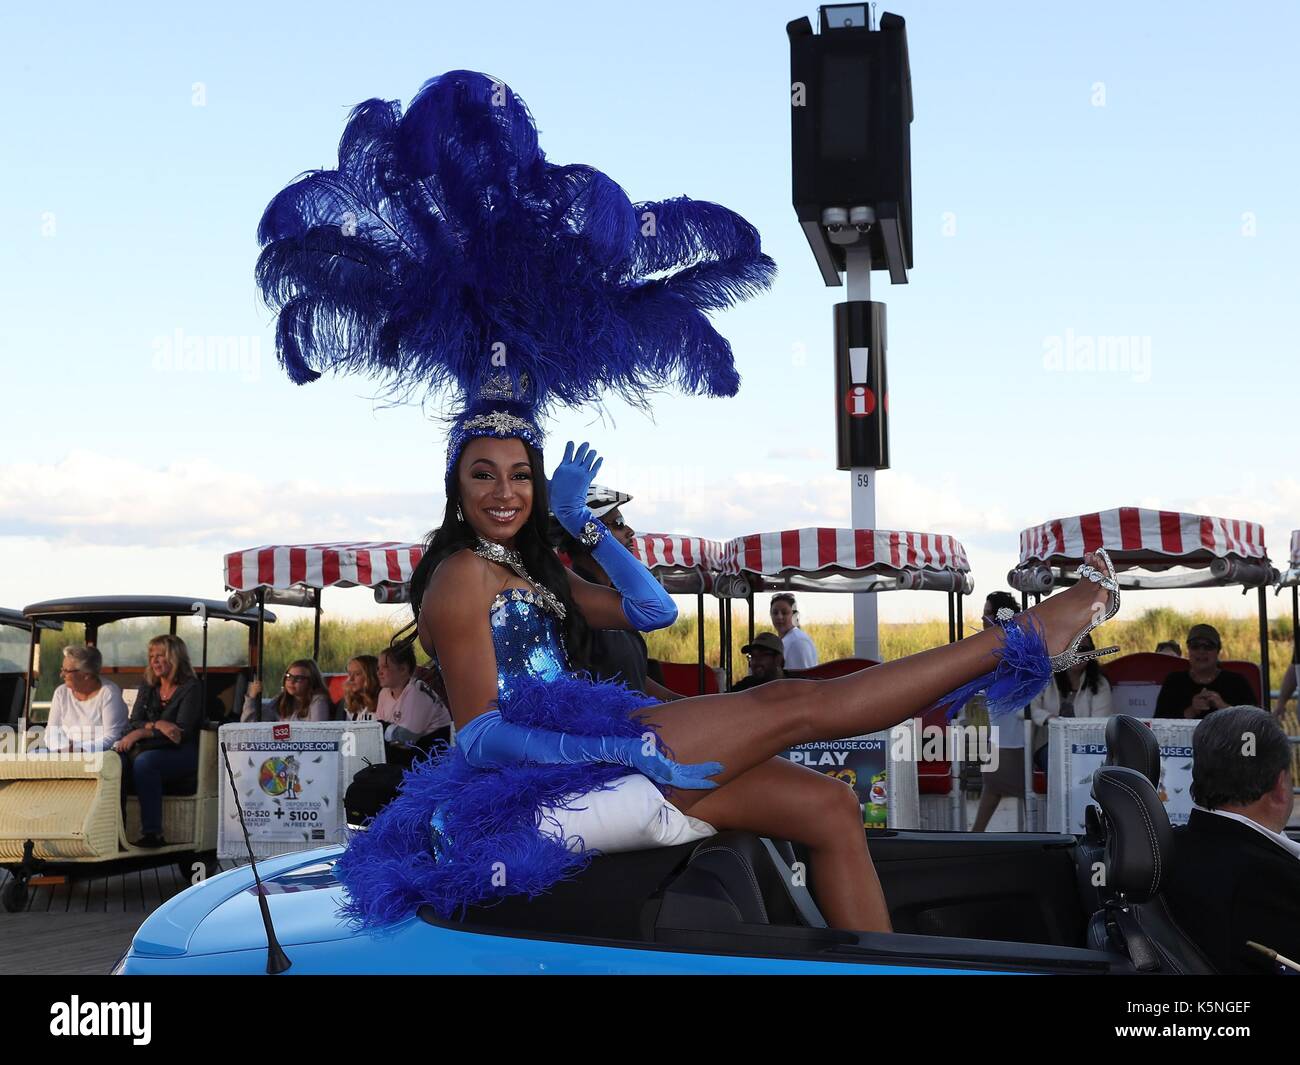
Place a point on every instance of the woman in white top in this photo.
(407, 707)
(800, 651)
(87, 713)
(303, 698)
(1080, 691)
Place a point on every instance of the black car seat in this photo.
(1132, 745)
(739, 877)
(1134, 918)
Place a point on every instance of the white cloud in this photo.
(96, 499)
(97, 524)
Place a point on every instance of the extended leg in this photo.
(788, 801)
(744, 729)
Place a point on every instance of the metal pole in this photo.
(33, 665)
(952, 619)
(1295, 629)
(699, 635)
(315, 639)
(961, 626)
(724, 618)
(261, 636)
(862, 480)
(750, 600)
(1265, 695)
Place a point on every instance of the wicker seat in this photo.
(70, 808)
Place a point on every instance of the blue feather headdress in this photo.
(445, 255)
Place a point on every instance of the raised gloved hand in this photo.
(569, 484)
(489, 740)
(645, 603)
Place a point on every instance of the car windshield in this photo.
(125, 643)
(13, 648)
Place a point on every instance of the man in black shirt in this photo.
(766, 660)
(1205, 687)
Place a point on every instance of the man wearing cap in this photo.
(616, 654)
(766, 660)
(1205, 687)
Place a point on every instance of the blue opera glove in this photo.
(489, 741)
(645, 603)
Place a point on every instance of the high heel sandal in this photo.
(1072, 656)
(1023, 667)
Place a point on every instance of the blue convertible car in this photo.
(736, 903)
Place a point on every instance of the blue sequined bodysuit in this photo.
(487, 844)
(526, 640)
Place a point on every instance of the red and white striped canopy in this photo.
(1153, 539)
(321, 565)
(850, 551)
(667, 551)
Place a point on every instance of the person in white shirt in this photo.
(87, 713)
(1081, 691)
(408, 707)
(800, 651)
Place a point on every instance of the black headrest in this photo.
(1130, 744)
(1139, 841)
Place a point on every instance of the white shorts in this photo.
(630, 815)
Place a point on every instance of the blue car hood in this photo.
(222, 914)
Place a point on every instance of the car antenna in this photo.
(277, 961)
(1269, 952)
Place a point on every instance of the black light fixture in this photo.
(851, 115)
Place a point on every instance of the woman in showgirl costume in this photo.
(445, 253)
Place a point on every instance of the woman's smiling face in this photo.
(496, 487)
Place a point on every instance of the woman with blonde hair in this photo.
(304, 696)
(361, 689)
(163, 744)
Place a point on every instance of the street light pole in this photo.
(851, 186)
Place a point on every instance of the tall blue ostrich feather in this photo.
(444, 236)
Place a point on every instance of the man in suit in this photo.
(1236, 874)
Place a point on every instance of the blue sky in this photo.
(1098, 171)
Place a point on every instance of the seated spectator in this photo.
(1286, 689)
(1007, 779)
(1205, 687)
(800, 651)
(766, 660)
(304, 697)
(1235, 875)
(1169, 647)
(616, 654)
(1081, 691)
(360, 690)
(163, 742)
(87, 713)
(409, 708)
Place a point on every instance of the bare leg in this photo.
(989, 801)
(744, 729)
(779, 798)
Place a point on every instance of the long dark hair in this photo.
(534, 544)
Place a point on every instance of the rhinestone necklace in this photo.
(504, 556)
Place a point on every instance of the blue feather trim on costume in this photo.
(488, 816)
(1023, 670)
